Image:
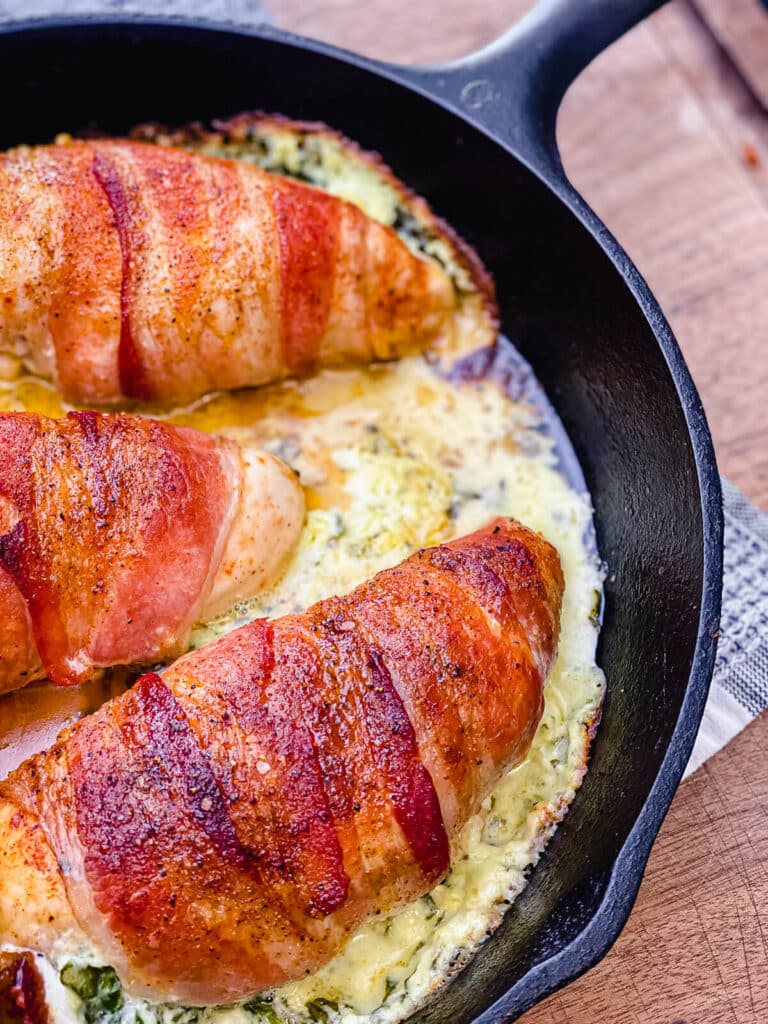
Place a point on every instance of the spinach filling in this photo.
(103, 1002)
(99, 989)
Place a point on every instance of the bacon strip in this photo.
(132, 378)
(308, 230)
(22, 990)
(129, 270)
(111, 530)
(226, 827)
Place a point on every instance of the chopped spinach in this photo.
(263, 1010)
(320, 1009)
(98, 987)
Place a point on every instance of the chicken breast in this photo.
(130, 270)
(118, 533)
(225, 827)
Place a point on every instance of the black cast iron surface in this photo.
(477, 139)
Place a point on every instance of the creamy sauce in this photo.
(394, 458)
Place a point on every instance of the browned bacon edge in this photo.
(22, 991)
(133, 379)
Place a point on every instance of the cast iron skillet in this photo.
(477, 138)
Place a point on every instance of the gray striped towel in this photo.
(740, 685)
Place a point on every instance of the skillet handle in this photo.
(514, 86)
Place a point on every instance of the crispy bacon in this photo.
(129, 368)
(226, 826)
(129, 270)
(22, 990)
(112, 529)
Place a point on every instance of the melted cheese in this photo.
(393, 458)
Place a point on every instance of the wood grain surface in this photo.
(668, 143)
(694, 951)
(666, 136)
(742, 28)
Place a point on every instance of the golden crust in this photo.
(35, 911)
